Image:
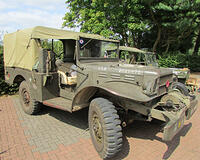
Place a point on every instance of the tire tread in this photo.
(113, 130)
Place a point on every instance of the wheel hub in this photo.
(97, 129)
(25, 97)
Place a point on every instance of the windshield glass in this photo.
(151, 59)
(97, 49)
(136, 58)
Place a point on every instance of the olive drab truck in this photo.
(87, 76)
(141, 57)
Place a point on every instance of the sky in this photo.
(20, 14)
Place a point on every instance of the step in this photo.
(59, 103)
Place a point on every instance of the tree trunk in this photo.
(168, 45)
(126, 39)
(167, 49)
(159, 30)
(133, 39)
(197, 45)
(157, 39)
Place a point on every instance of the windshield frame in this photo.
(97, 59)
(153, 56)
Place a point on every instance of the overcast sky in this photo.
(19, 14)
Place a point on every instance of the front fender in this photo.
(120, 89)
(126, 90)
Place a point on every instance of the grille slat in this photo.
(162, 83)
(164, 79)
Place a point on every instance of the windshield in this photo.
(151, 59)
(97, 49)
(136, 58)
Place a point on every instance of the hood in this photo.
(141, 83)
(148, 70)
(131, 69)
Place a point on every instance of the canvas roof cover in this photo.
(131, 49)
(22, 50)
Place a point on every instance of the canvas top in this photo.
(52, 33)
(131, 49)
(21, 48)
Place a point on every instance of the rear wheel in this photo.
(105, 129)
(29, 105)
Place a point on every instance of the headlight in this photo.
(150, 87)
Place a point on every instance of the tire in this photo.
(29, 105)
(181, 87)
(105, 129)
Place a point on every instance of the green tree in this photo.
(110, 18)
(176, 21)
(166, 25)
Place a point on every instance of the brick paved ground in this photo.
(54, 134)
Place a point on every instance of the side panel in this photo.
(42, 87)
(45, 87)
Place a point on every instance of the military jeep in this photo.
(89, 76)
(141, 57)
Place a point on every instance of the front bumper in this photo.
(176, 123)
(173, 127)
(190, 111)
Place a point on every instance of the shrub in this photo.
(180, 60)
(194, 63)
(4, 87)
(173, 60)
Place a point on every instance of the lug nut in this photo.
(123, 124)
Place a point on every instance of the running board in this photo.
(59, 103)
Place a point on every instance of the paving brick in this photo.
(55, 134)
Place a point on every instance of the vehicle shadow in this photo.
(138, 130)
(172, 145)
(148, 130)
(3, 152)
(80, 119)
(77, 119)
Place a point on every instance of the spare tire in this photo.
(181, 87)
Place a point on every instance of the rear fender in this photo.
(16, 75)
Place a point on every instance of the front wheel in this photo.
(105, 129)
(29, 105)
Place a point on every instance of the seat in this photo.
(65, 73)
(67, 80)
